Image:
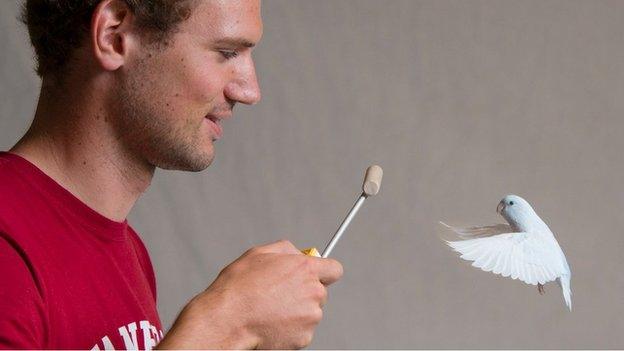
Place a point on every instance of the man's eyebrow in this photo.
(238, 42)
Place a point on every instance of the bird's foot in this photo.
(540, 288)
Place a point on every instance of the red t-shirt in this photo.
(69, 277)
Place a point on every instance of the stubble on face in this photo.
(150, 125)
(167, 92)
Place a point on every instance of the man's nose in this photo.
(244, 86)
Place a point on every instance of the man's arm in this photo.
(271, 298)
(22, 311)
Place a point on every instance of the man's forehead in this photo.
(232, 20)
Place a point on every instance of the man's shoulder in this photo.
(8, 175)
(13, 185)
(16, 193)
(10, 166)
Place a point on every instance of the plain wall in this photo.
(461, 102)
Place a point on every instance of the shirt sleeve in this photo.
(22, 310)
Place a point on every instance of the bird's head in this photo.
(516, 210)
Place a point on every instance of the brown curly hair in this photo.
(57, 27)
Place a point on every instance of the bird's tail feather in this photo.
(564, 281)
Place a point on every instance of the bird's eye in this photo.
(511, 203)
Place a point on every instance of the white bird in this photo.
(524, 249)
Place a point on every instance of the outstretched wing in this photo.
(525, 256)
(480, 231)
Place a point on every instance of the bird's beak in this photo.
(500, 207)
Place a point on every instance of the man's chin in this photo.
(187, 163)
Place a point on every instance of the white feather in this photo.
(479, 231)
(492, 254)
(524, 249)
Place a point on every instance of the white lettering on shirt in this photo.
(150, 335)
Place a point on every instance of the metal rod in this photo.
(343, 226)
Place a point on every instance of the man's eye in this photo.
(229, 54)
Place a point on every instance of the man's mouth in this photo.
(215, 125)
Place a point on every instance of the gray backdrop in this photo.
(461, 102)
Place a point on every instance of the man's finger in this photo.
(329, 270)
(281, 246)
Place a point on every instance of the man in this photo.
(128, 86)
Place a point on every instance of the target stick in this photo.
(370, 187)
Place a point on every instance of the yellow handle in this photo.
(312, 251)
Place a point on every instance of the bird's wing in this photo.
(479, 232)
(525, 256)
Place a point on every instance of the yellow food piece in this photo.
(311, 252)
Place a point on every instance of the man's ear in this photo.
(111, 34)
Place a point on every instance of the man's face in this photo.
(173, 99)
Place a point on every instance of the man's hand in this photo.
(270, 298)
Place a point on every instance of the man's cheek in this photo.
(206, 84)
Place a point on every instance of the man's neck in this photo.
(73, 141)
